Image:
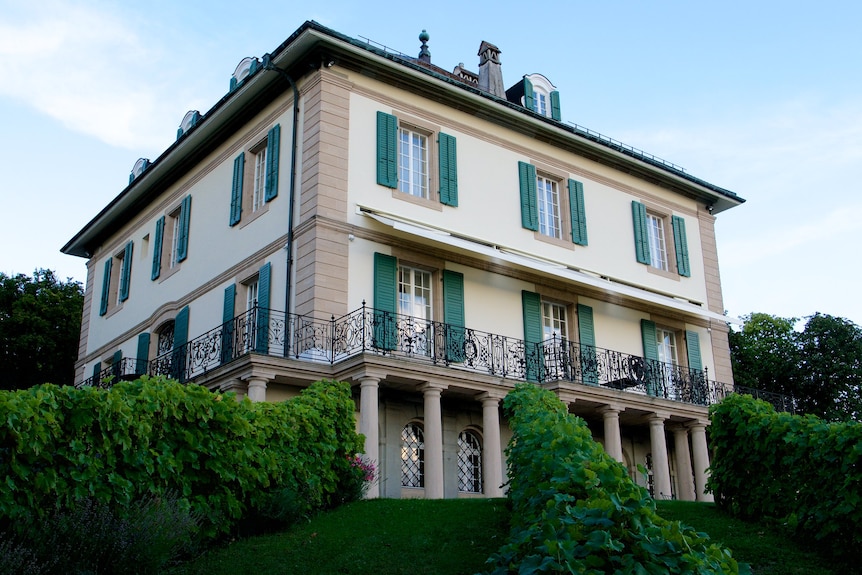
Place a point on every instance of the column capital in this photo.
(490, 395)
(366, 373)
(611, 408)
(697, 425)
(658, 416)
(437, 388)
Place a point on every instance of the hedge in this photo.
(799, 471)
(153, 436)
(575, 509)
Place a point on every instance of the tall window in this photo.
(666, 345)
(548, 196)
(657, 243)
(413, 163)
(414, 292)
(259, 180)
(165, 341)
(251, 294)
(469, 463)
(412, 456)
(540, 103)
(554, 320)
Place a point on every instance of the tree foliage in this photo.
(40, 325)
(820, 366)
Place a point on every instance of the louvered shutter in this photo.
(157, 248)
(453, 314)
(579, 214)
(529, 101)
(587, 337)
(385, 301)
(263, 282)
(181, 337)
(142, 356)
(126, 274)
(117, 365)
(641, 232)
(106, 287)
(653, 367)
(236, 189)
(681, 246)
(531, 305)
(273, 151)
(185, 220)
(227, 316)
(699, 390)
(387, 150)
(97, 370)
(448, 170)
(555, 105)
(692, 341)
(529, 207)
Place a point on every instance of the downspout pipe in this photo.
(268, 65)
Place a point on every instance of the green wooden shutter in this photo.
(126, 274)
(117, 365)
(387, 150)
(227, 316)
(529, 207)
(142, 356)
(555, 105)
(385, 301)
(106, 286)
(531, 304)
(263, 281)
(448, 170)
(681, 245)
(453, 314)
(653, 371)
(587, 337)
(236, 189)
(157, 248)
(692, 341)
(641, 232)
(579, 214)
(97, 370)
(273, 147)
(181, 338)
(185, 219)
(529, 101)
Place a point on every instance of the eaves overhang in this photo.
(306, 50)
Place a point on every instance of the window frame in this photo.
(665, 217)
(252, 177)
(119, 273)
(476, 474)
(432, 138)
(420, 456)
(563, 208)
(173, 222)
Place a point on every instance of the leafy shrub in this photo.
(61, 445)
(575, 510)
(797, 470)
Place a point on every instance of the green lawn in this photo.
(455, 537)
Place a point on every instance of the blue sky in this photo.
(762, 98)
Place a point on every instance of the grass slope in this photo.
(455, 537)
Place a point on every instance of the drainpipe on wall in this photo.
(268, 65)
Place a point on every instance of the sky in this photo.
(762, 98)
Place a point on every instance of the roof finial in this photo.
(424, 54)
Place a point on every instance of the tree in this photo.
(830, 368)
(764, 354)
(40, 326)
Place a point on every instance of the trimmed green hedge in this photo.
(575, 509)
(797, 470)
(61, 445)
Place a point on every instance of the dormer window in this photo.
(245, 68)
(536, 93)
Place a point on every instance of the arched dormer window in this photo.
(191, 119)
(541, 96)
(245, 68)
(138, 169)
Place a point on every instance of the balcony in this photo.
(369, 331)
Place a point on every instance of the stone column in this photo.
(683, 465)
(369, 426)
(256, 388)
(492, 461)
(433, 441)
(660, 466)
(700, 455)
(613, 441)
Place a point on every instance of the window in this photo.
(665, 341)
(469, 463)
(654, 246)
(412, 456)
(251, 294)
(543, 206)
(540, 96)
(255, 183)
(165, 339)
(554, 321)
(116, 280)
(407, 164)
(172, 239)
(414, 307)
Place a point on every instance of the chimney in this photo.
(424, 53)
(490, 71)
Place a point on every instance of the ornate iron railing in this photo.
(367, 330)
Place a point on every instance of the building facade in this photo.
(351, 213)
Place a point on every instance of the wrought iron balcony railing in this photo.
(366, 330)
